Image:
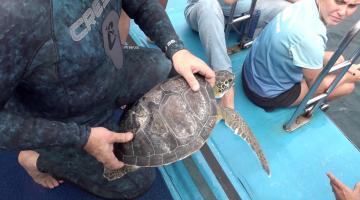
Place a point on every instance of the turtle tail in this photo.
(234, 121)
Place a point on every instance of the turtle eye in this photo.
(230, 80)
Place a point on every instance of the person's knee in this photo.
(341, 59)
(343, 90)
(350, 88)
(209, 10)
(204, 15)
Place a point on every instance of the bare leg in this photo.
(124, 26)
(27, 160)
(327, 56)
(304, 91)
(344, 87)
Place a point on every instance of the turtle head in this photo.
(224, 81)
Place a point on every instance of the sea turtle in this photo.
(170, 122)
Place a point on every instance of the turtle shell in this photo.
(169, 123)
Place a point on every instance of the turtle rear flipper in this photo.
(234, 121)
(111, 175)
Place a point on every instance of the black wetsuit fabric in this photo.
(62, 71)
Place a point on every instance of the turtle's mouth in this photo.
(222, 88)
(219, 94)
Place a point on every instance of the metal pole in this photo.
(230, 20)
(343, 45)
(251, 12)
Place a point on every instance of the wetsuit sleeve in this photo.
(20, 38)
(19, 133)
(153, 20)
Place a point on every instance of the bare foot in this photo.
(228, 99)
(27, 160)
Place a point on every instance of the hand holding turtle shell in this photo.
(101, 144)
(186, 64)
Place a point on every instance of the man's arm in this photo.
(310, 76)
(153, 20)
(16, 53)
(19, 133)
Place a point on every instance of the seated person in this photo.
(207, 17)
(289, 54)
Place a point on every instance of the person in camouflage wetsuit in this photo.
(63, 76)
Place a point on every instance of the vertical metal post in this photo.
(230, 20)
(251, 13)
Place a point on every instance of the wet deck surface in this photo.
(345, 112)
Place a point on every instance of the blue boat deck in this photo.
(298, 161)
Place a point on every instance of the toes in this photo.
(47, 181)
(51, 182)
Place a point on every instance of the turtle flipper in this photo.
(111, 175)
(234, 121)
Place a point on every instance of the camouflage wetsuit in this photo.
(62, 70)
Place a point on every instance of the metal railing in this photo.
(232, 21)
(311, 103)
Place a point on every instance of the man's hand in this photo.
(343, 192)
(187, 65)
(101, 144)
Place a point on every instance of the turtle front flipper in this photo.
(234, 121)
(111, 175)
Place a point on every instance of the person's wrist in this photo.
(352, 73)
(89, 143)
(172, 47)
(84, 136)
